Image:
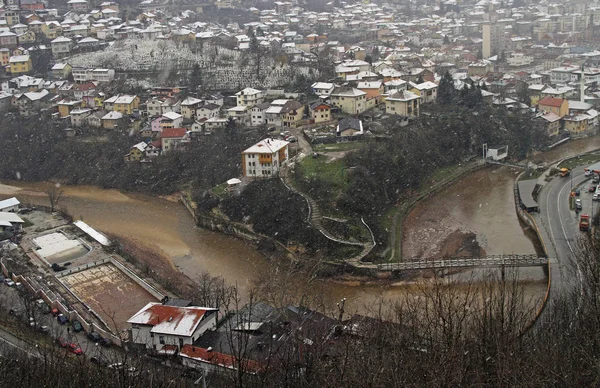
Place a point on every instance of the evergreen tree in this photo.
(446, 91)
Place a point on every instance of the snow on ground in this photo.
(220, 66)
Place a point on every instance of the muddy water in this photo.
(168, 226)
(477, 212)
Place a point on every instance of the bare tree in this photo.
(55, 195)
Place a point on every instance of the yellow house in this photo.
(374, 89)
(65, 107)
(26, 37)
(51, 29)
(123, 103)
(111, 120)
(558, 106)
(20, 64)
(292, 113)
(576, 124)
(320, 112)
(349, 100)
(137, 152)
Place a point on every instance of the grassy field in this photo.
(220, 190)
(336, 147)
(582, 160)
(329, 171)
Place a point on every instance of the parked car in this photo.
(578, 206)
(43, 329)
(75, 349)
(54, 312)
(95, 337)
(591, 189)
(77, 326)
(62, 342)
(577, 192)
(588, 172)
(9, 282)
(62, 319)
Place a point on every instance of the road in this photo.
(561, 224)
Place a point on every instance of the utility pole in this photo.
(485, 147)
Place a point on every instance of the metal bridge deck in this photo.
(487, 261)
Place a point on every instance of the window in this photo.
(151, 335)
(161, 339)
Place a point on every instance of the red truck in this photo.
(584, 222)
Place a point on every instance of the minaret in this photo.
(582, 86)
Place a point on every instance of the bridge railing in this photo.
(462, 262)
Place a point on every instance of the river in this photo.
(480, 203)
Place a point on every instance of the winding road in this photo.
(560, 224)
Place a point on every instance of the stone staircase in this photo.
(315, 218)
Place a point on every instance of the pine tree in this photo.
(446, 91)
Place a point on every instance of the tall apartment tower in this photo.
(493, 39)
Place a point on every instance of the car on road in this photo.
(43, 329)
(77, 326)
(596, 196)
(75, 349)
(588, 172)
(577, 193)
(62, 319)
(591, 189)
(578, 205)
(94, 337)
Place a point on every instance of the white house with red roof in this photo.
(172, 137)
(157, 325)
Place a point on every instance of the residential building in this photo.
(265, 158)
(493, 39)
(189, 106)
(10, 205)
(292, 113)
(79, 117)
(548, 122)
(480, 68)
(137, 152)
(112, 120)
(211, 361)
(208, 111)
(171, 120)
(374, 89)
(153, 106)
(558, 106)
(348, 127)
(320, 112)
(61, 47)
(78, 5)
(66, 106)
(250, 97)
(172, 137)
(322, 89)
(32, 103)
(157, 325)
(20, 64)
(426, 90)
(122, 103)
(240, 113)
(258, 115)
(349, 100)
(403, 103)
(61, 71)
(576, 124)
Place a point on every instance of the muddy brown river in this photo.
(480, 203)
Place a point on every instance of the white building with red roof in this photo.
(157, 325)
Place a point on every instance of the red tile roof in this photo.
(170, 319)
(551, 101)
(219, 359)
(173, 132)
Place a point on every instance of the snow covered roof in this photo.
(112, 116)
(170, 320)
(18, 58)
(9, 202)
(93, 233)
(61, 39)
(11, 217)
(172, 115)
(266, 146)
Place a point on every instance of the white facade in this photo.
(265, 158)
(9, 205)
(249, 97)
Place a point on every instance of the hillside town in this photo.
(79, 68)
(299, 80)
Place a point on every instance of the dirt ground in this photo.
(109, 292)
(426, 237)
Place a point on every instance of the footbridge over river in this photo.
(497, 261)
